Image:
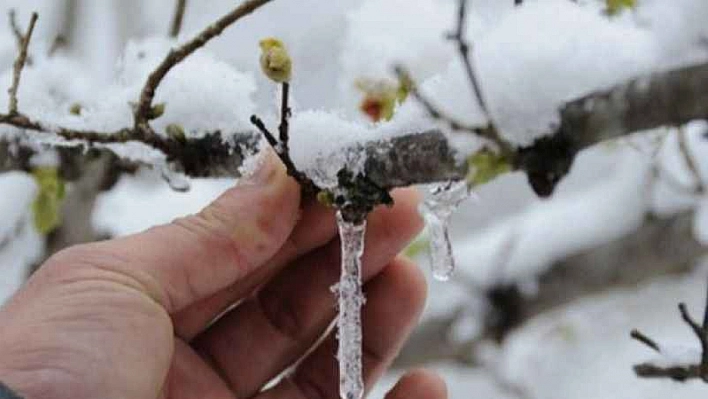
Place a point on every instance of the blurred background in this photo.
(546, 291)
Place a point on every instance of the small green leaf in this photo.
(156, 111)
(325, 198)
(417, 247)
(47, 204)
(75, 109)
(176, 132)
(484, 165)
(614, 7)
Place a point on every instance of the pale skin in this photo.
(132, 318)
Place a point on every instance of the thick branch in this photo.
(661, 99)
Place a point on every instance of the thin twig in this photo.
(677, 372)
(17, 32)
(464, 49)
(258, 122)
(19, 38)
(690, 160)
(641, 337)
(697, 329)
(705, 313)
(284, 127)
(281, 146)
(19, 65)
(177, 18)
(58, 43)
(435, 113)
(175, 56)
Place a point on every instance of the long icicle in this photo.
(351, 299)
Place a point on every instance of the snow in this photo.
(19, 243)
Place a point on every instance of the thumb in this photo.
(198, 255)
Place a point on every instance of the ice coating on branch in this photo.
(436, 211)
(351, 383)
(176, 180)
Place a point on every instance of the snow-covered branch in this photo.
(665, 98)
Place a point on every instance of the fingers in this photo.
(190, 377)
(419, 384)
(395, 299)
(195, 257)
(315, 228)
(273, 329)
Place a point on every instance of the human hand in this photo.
(134, 317)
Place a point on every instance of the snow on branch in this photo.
(674, 97)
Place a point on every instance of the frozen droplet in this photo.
(350, 299)
(176, 180)
(436, 211)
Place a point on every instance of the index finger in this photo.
(199, 255)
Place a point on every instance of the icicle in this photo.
(177, 181)
(351, 384)
(436, 211)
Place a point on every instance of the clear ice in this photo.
(436, 210)
(351, 298)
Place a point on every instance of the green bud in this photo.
(156, 111)
(614, 7)
(176, 132)
(75, 109)
(325, 198)
(484, 165)
(47, 204)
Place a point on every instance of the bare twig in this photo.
(434, 112)
(641, 337)
(698, 331)
(175, 56)
(284, 127)
(258, 123)
(19, 65)
(280, 145)
(58, 43)
(177, 18)
(19, 37)
(463, 47)
(488, 132)
(690, 160)
(678, 372)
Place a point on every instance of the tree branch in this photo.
(666, 98)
